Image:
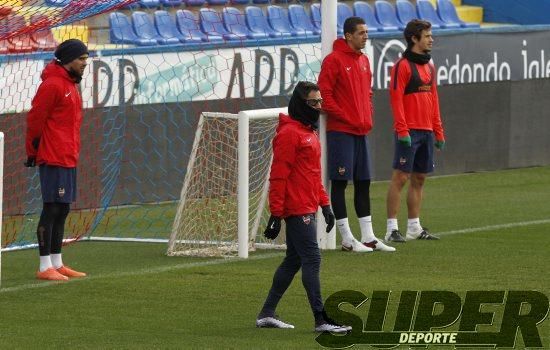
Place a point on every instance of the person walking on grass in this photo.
(53, 143)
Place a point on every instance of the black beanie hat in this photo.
(70, 50)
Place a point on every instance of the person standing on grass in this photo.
(418, 128)
(345, 82)
(53, 143)
(295, 193)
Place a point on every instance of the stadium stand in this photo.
(300, 20)
(211, 23)
(344, 11)
(405, 10)
(18, 43)
(171, 3)
(258, 23)
(315, 13)
(57, 3)
(166, 26)
(386, 15)
(121, 31)
(42, 39)
(447, 12)
(149, 3)
(188, 26)
(235, 23)
(364, 10)
(194, 2)
(145, 29)
(427, 12)
(278, 19)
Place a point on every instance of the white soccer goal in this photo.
(223, 200)
(1, 196)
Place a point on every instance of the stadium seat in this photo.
(427, 12)
(194, 2)
(121, 31)
(447, 12)
(59, 3)
(5, 10)
(188, 26)
(257, 22)
(316, 15)
(260, 2)
(166, 26)
(149, 3)
(4, 47)
(405, 11)
(42, 39)
(211, 23)
(21, 42)
(216, 2)
(240, 2)
(343, 13)
(301, 22)
(363, 10)
(144, 28)
(278, 19)
(171, 3)
(385, 14)
(235, 22)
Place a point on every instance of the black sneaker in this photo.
(395, 236)
(422, 235)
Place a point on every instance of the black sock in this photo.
(361, 198)
(50, 211)
(338, 198)
(58, 228)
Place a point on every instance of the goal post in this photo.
(223, 199)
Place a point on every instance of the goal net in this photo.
(223, 204)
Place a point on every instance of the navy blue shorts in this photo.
(348, 156)
(418, 158)
(58, 184)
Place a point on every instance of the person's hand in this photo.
(31, 162)
(440, 144)
(35, 143)
(273, 227)
(405, 140)
(329, 217)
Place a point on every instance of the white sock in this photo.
(367, 234)
(345, 230)
(45, 263)
(392, 225)
(56, 260)
(413, 225)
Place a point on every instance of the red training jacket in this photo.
(295, 186)
(345, 83)
(417, 109)
(55, 118)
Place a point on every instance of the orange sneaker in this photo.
(51, 274)
(67, 271)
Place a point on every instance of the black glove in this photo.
(31, 162)
(273, 227)
(329, 217)
(35, 143)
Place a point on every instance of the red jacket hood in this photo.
(342, 46)
(53, 69)
(285, 119)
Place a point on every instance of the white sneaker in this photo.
(272, 322)
(423, 235)
(355, 246)
(328, 327)
(378, 245)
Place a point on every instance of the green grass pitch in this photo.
(495, 234)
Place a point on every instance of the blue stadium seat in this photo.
(171, 3)
(301, 22)
(216, 2)
(385, 14)
(260, 2)
(149, 3)
(211, 23)
(405, 11)
(240, 2)
(447, 12)
(166, 26)
(235, 23)
(188, 25)
(363, 10)
(316, 15)
(343, 13)
(257, 22)
(278, 19)
(144, 28)
(121, 31)
(194, 2)
(58, 3)
(427, 12)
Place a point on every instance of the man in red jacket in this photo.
(295, 194)
(418, 128)
(53, 143)
(345, 82)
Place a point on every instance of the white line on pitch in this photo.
(154, 270)
(495, 227)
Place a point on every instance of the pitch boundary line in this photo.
(161, 269)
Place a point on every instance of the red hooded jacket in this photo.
(55, 118)
(295, 186)
(345, 83)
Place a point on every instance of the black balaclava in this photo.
(299, 110)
